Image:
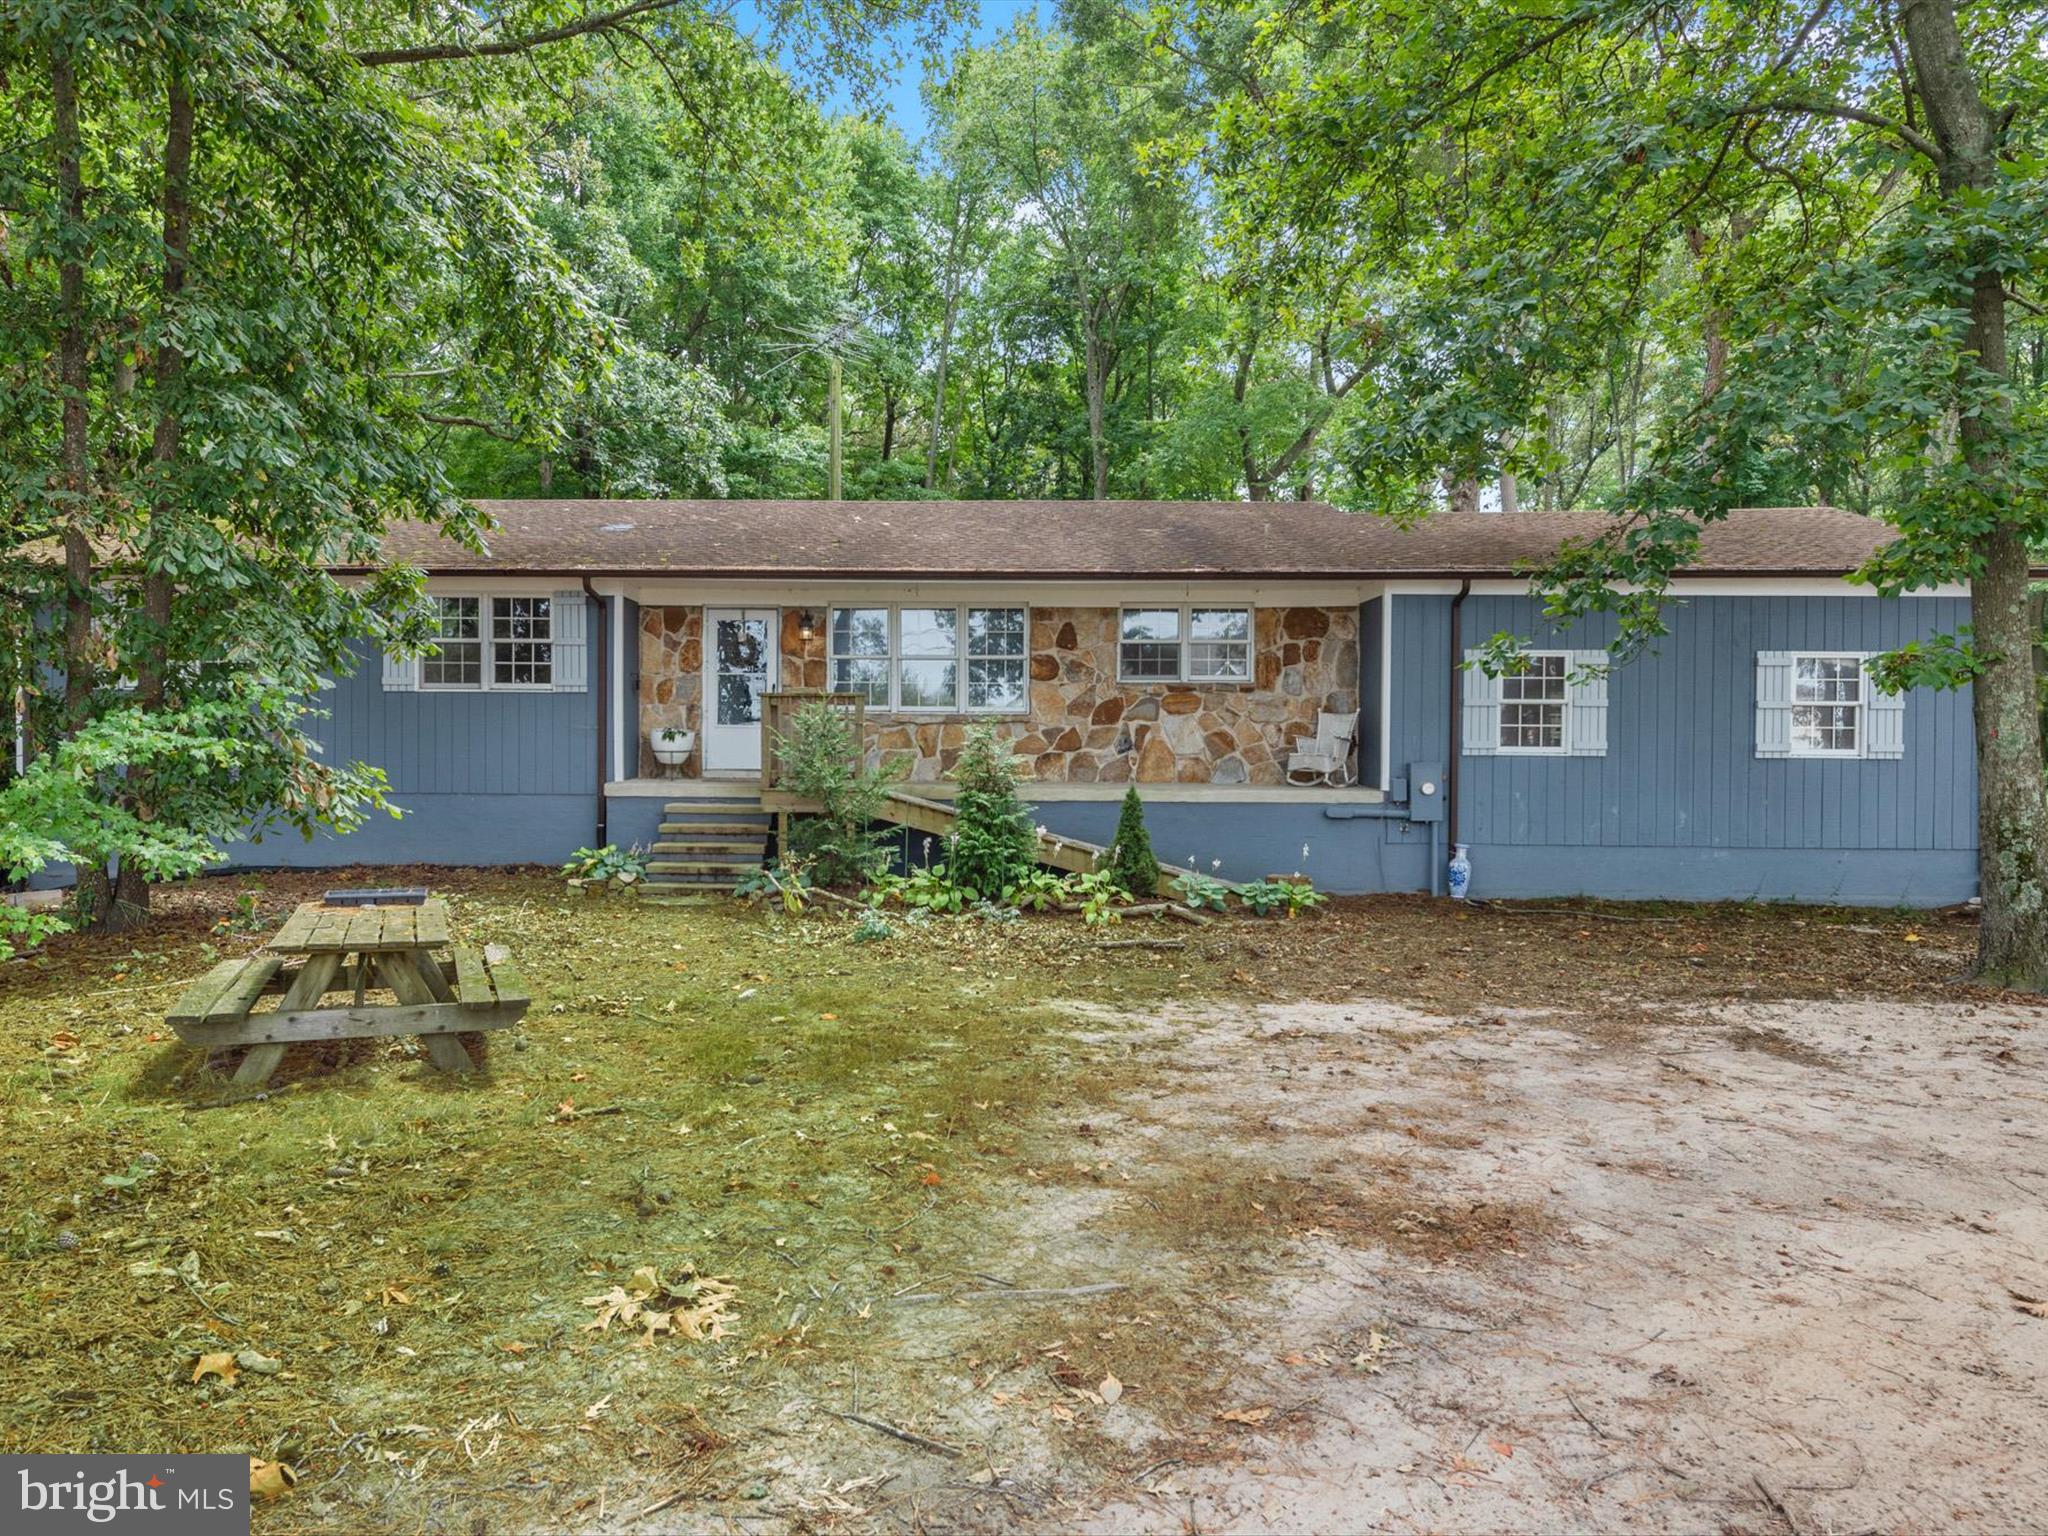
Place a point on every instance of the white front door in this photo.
(739, 666)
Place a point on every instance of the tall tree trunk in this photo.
(889, 404)
(94, 890)
(1094, 368)
(948, 317)
(152, 674)
(2012, 797)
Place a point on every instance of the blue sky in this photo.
(900, 97)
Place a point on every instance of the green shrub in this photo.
(1129, 858)
(931, 888)
(1100, 891)
(993, 844)
(1199, 890)
(1038, 890)
(1266, 897)
(624, 865)
(788, 879)
(821, 760)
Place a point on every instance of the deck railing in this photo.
(778, 708)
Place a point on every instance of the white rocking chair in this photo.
(1326, 758)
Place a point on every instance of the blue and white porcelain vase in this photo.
(1461, 871)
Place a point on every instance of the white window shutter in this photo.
(1884, 734)
(1480, 729)
(571, 619)
(1586, 704)
(1774, 703)
(401, 673)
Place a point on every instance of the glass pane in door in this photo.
(741, 648)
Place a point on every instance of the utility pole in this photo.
(833, 430)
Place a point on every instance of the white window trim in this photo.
(1861, 706)
(893, 661)
(1564, 713)
(487, 645)
(1185, 675)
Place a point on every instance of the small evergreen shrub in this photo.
(1130, 857)
(993, 845)
(821, 761)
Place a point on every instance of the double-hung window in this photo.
(1532, 704)
(459, 635)
(522, 642)
(1192, 645)
(494, 642)
(1827, 705)
(860, 653)
(931, 660)
(1554, 703)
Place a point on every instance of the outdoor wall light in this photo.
(806, 623)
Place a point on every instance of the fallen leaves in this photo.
(688, 1304)
(1253, 1416)
(2033, 1306)
(1110, 1390)
(270, 1479)
(221, 1363)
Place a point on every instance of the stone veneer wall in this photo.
(1087, 727)
(671, 680)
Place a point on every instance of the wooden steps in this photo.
(705, 846)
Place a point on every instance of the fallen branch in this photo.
(1602, 1433)
(1010, 1293)
(1772, 1498)
(1031, 1293)
(1189, 915)
(1142, 944)
(1595, 917)
(834, 896)
(908, 1437)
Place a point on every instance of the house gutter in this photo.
(1456, 722)
(604, 700)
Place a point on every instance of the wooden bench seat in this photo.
(222, 997)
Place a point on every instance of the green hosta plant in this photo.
(622, 866)
(788, 879)
(1039, 890)
(1199, 890)
(1100, 893)
(1289, 897)
(873, 928)
(930, 888)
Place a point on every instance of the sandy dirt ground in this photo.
(1746, 1269)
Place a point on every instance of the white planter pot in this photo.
(672, 748)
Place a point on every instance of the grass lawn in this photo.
(840, 1130)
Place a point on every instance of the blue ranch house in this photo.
(1285, 683)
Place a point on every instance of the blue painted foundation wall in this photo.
(1681, 806)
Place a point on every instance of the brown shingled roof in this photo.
(1082, 540)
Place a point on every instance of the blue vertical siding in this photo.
(1681, 804)
(484, 778)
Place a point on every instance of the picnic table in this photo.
(352, 950)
